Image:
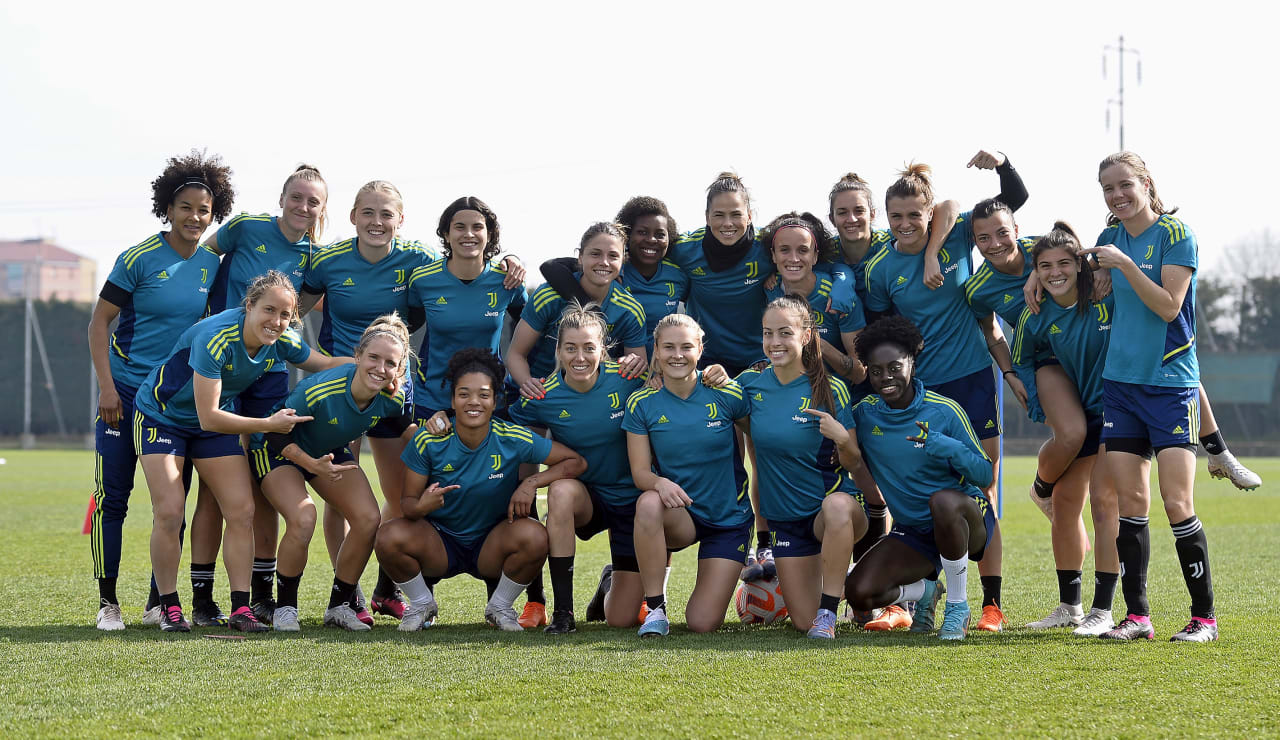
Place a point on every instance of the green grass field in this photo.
(59, 675)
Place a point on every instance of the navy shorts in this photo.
(262, 462)
(795, 539)
(729, 543)
(463, 557)
(260, 399)
(620, 521)
(1092, 437)
(922, 540)
(976, 394)
(1163, 417)
(151, 437)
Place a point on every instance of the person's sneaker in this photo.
(893, 617)
(504, 618)
(859, 617)
(110, 619)
(344, 616)
(392, 606)
(769, 569)
(209, 614)
(285, 619)
(824, 625)
(1095, 623)
(171, 620)
(595, 607)
(1130, 629)
(1045, 505)
(1063, 615)
(151, 616)
(561, 623)
(644, 612)
(992, 619)
(358, 606)
(418, 616)
(242, 619)
(1227, 466)
(923, 619)
(1197, 630)
(655, 624)
(534, 615)
(752, 571)
(955, 621)
(264, 610)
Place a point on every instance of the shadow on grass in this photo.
(730, 638)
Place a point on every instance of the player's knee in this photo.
(303, 521)
(704, 622)
(649, 508)
(838, 509)
(391, 538)
(529, 537)
(560, 499)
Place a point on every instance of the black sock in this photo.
(1193, 553)
(828, 602)
(239, 599)
(536, 591)
(1214, 444)
(264, 572)
(656, 602)
(202, 583)
(1069, 587)
(168, 600)
(1133, 544)
(1044, 489)
(562, 582)
(385, 587)
(153, 596)
(763, 539)
(490, 585)
(342, 593)
(1104, 589)
(288, 590)
(877, 518)
(107, 591)
(991, 590)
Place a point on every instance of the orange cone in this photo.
(88, 515)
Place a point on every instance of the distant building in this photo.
(54, 272)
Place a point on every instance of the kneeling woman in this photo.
(684, 456)
(922, 451)
(485, 529)
(802, 416)
(183, 411)
(344, 401)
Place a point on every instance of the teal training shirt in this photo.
(728, 304)
(1078, 341)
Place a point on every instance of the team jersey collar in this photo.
(721, 257)
(483, 443)
(913, 409)
(564, 382)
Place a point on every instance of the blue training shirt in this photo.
(953, 344)
(590, 424)
(794, 461)
(338, 420)
(622, 313)
(252, 245)
(167, 294)
(907, 472)
(214, 348)
(728, 304)
(459, 315)
(1148, 350)
(1079, 343)
(488, 475)
(988, 290)
(694, 446)
(658, 296)
(357, 291)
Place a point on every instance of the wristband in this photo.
(1006, 372)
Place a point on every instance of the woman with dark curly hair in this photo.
(485, 529)
(923, 453)
(157, 288)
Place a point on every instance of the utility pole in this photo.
(1118, 101)
(28, 441)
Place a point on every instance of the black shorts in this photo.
(620, 522)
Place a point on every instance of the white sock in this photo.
(666, 578)
(909, 592)
(957, 579)
(415, 589)
(504, 596)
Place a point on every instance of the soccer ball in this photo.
(760, 602)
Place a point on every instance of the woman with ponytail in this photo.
(803, 458)
(1071, 333)
(250, 246)
(344, 402)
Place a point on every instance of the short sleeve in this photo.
(229, 236)
(532, 451)
(202, 359)
(735, 400)
(313, 280)
(416, 454)
(877, 293)
(845, 303)
(635, 420)
(125, 277)
(1180, 247)
(291, 348)
(524, 412)
(542, 311)
(630, 329)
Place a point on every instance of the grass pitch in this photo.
(59, 675)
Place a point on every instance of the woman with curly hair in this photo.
(157, 289)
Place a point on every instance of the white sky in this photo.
(555, 114)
